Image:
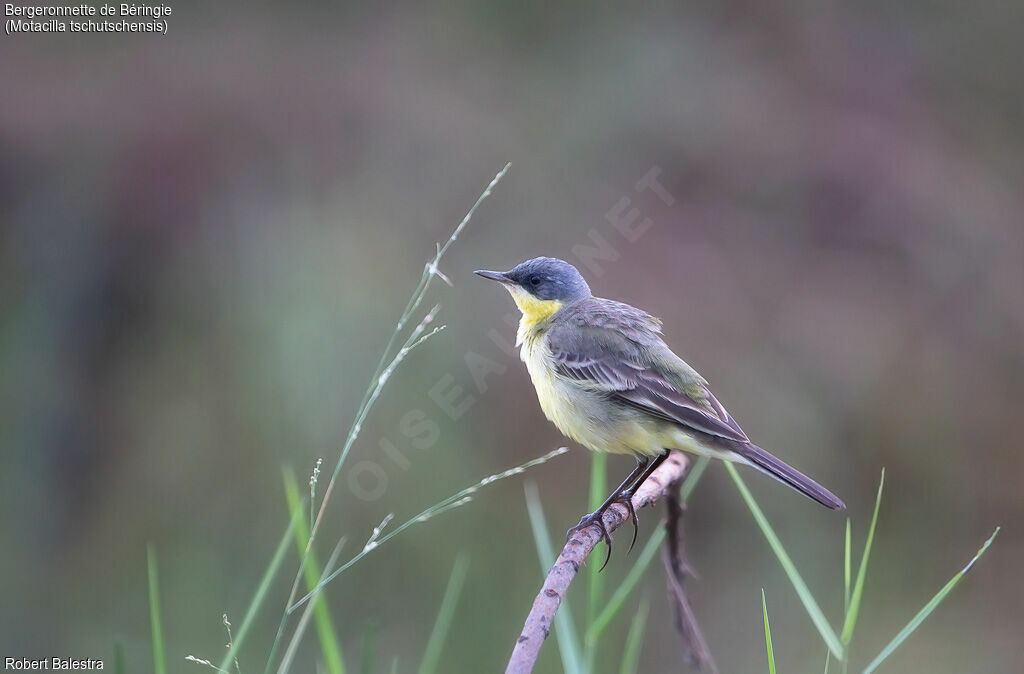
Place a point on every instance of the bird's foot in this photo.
(595, 519)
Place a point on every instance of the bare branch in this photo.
(575, 552)
(695, 648)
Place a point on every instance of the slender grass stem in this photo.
(916, 621)
(565, 626)
(846, 570)
(814, 611)
(634, 640)
(850, 622)
(231, 640)
(156, 626)
(454, 501)
(119, 664)
(768, 635)
(205, 663)
(300, 628)
(432, 654)
(384, 370)
(329, 646)
(598, 487)
(261, 594)
(636, 572)
(369, 649)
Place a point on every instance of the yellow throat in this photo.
(535, 311)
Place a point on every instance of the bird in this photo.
(605, 377)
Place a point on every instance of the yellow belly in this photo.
(591, 419)
(599, 424)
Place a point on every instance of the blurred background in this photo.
(206, 239)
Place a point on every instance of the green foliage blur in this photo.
(206, 240)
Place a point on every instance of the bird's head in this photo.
(541, 286)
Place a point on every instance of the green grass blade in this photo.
(565, 628)
(643, 560)
(858, 589)
(261, 594)
(119, 666)
(828, 659)
(806, 598)
(690, 483)
(595, 579)
(432, 654)
(300, 628)
(916, 621)
(456, 500)
(634, 640)
(846, 570)
(626, 587)
(326, 634)
(369, 649)
(381, 375)
(156, 627)
(598, 479)
(768, 635)
(598, 487)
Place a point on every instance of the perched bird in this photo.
(606, 379)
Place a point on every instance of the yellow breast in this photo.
(554, 398)
(587, 416)
(581, 415)
(535, 312)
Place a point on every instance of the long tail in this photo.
(785, 473)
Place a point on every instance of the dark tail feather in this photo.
(782, 472)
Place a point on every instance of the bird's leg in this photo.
(596, 518)
(626, 495)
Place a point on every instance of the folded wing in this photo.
(631, 363)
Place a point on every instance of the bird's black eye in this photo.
(535, 281)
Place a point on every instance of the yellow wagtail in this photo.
(606, 379)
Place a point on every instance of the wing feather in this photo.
(616, 349)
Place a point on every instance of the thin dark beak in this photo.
(499, 276)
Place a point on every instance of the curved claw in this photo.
(594, 519)
(607, 539)
(627, 500)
